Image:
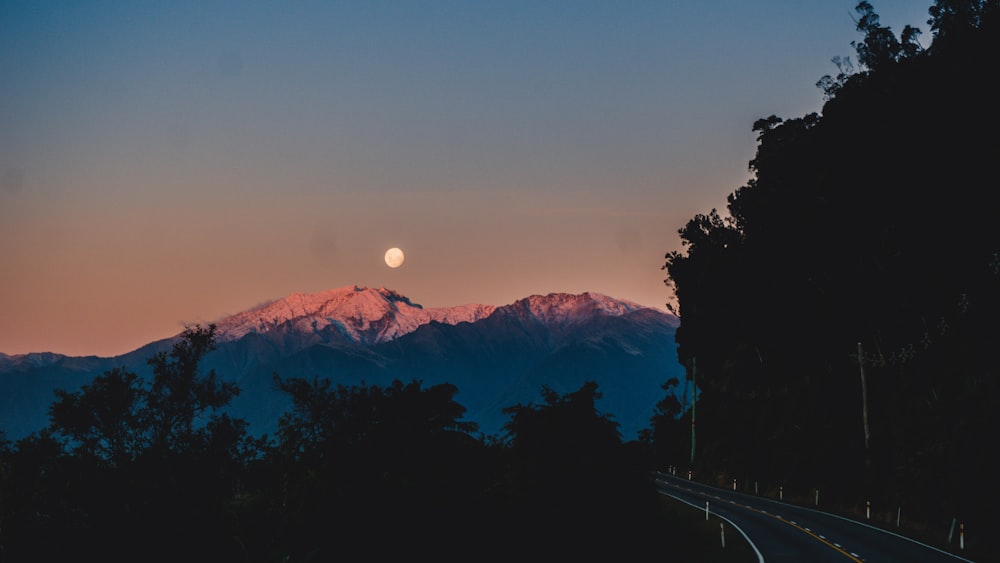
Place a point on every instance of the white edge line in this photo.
(858, 522)
(876, 528)
(891, 533)
(760, 558)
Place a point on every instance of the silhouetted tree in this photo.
(575, 489)
(6, 454)
(130, 468)
(355, 464)
(668, 435)
(957, 20)
(181, 395)
(880, 46)
(103, 420)
(858, 226)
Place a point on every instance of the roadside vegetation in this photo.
(839, 317)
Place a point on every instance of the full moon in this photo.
(394, 257)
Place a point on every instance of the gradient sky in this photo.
(169, 163)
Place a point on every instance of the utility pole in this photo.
(864, 395)
(694, 400)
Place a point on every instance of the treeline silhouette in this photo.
(841, 321)
(152, 470)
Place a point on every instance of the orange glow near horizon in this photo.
(163, 165)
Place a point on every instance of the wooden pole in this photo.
(694, 400)
(864, 395)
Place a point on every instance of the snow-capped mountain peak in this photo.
(371, 316)
(562, 309)
(497, 355)
(361, 314)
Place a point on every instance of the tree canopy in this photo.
(153, 469)
(862, 243)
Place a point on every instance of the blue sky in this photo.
(165, 163)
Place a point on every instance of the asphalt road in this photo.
(782, 532)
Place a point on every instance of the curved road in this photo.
(782, 532)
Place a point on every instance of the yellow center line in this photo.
(819, 538)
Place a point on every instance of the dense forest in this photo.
(153, 470)
(840, 320)
(838, 323)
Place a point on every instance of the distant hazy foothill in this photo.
(496, 356)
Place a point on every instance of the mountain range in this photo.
(497, 356)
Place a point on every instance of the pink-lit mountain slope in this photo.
(361, 314)
(497, 356)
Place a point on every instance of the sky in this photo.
(170, 163)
